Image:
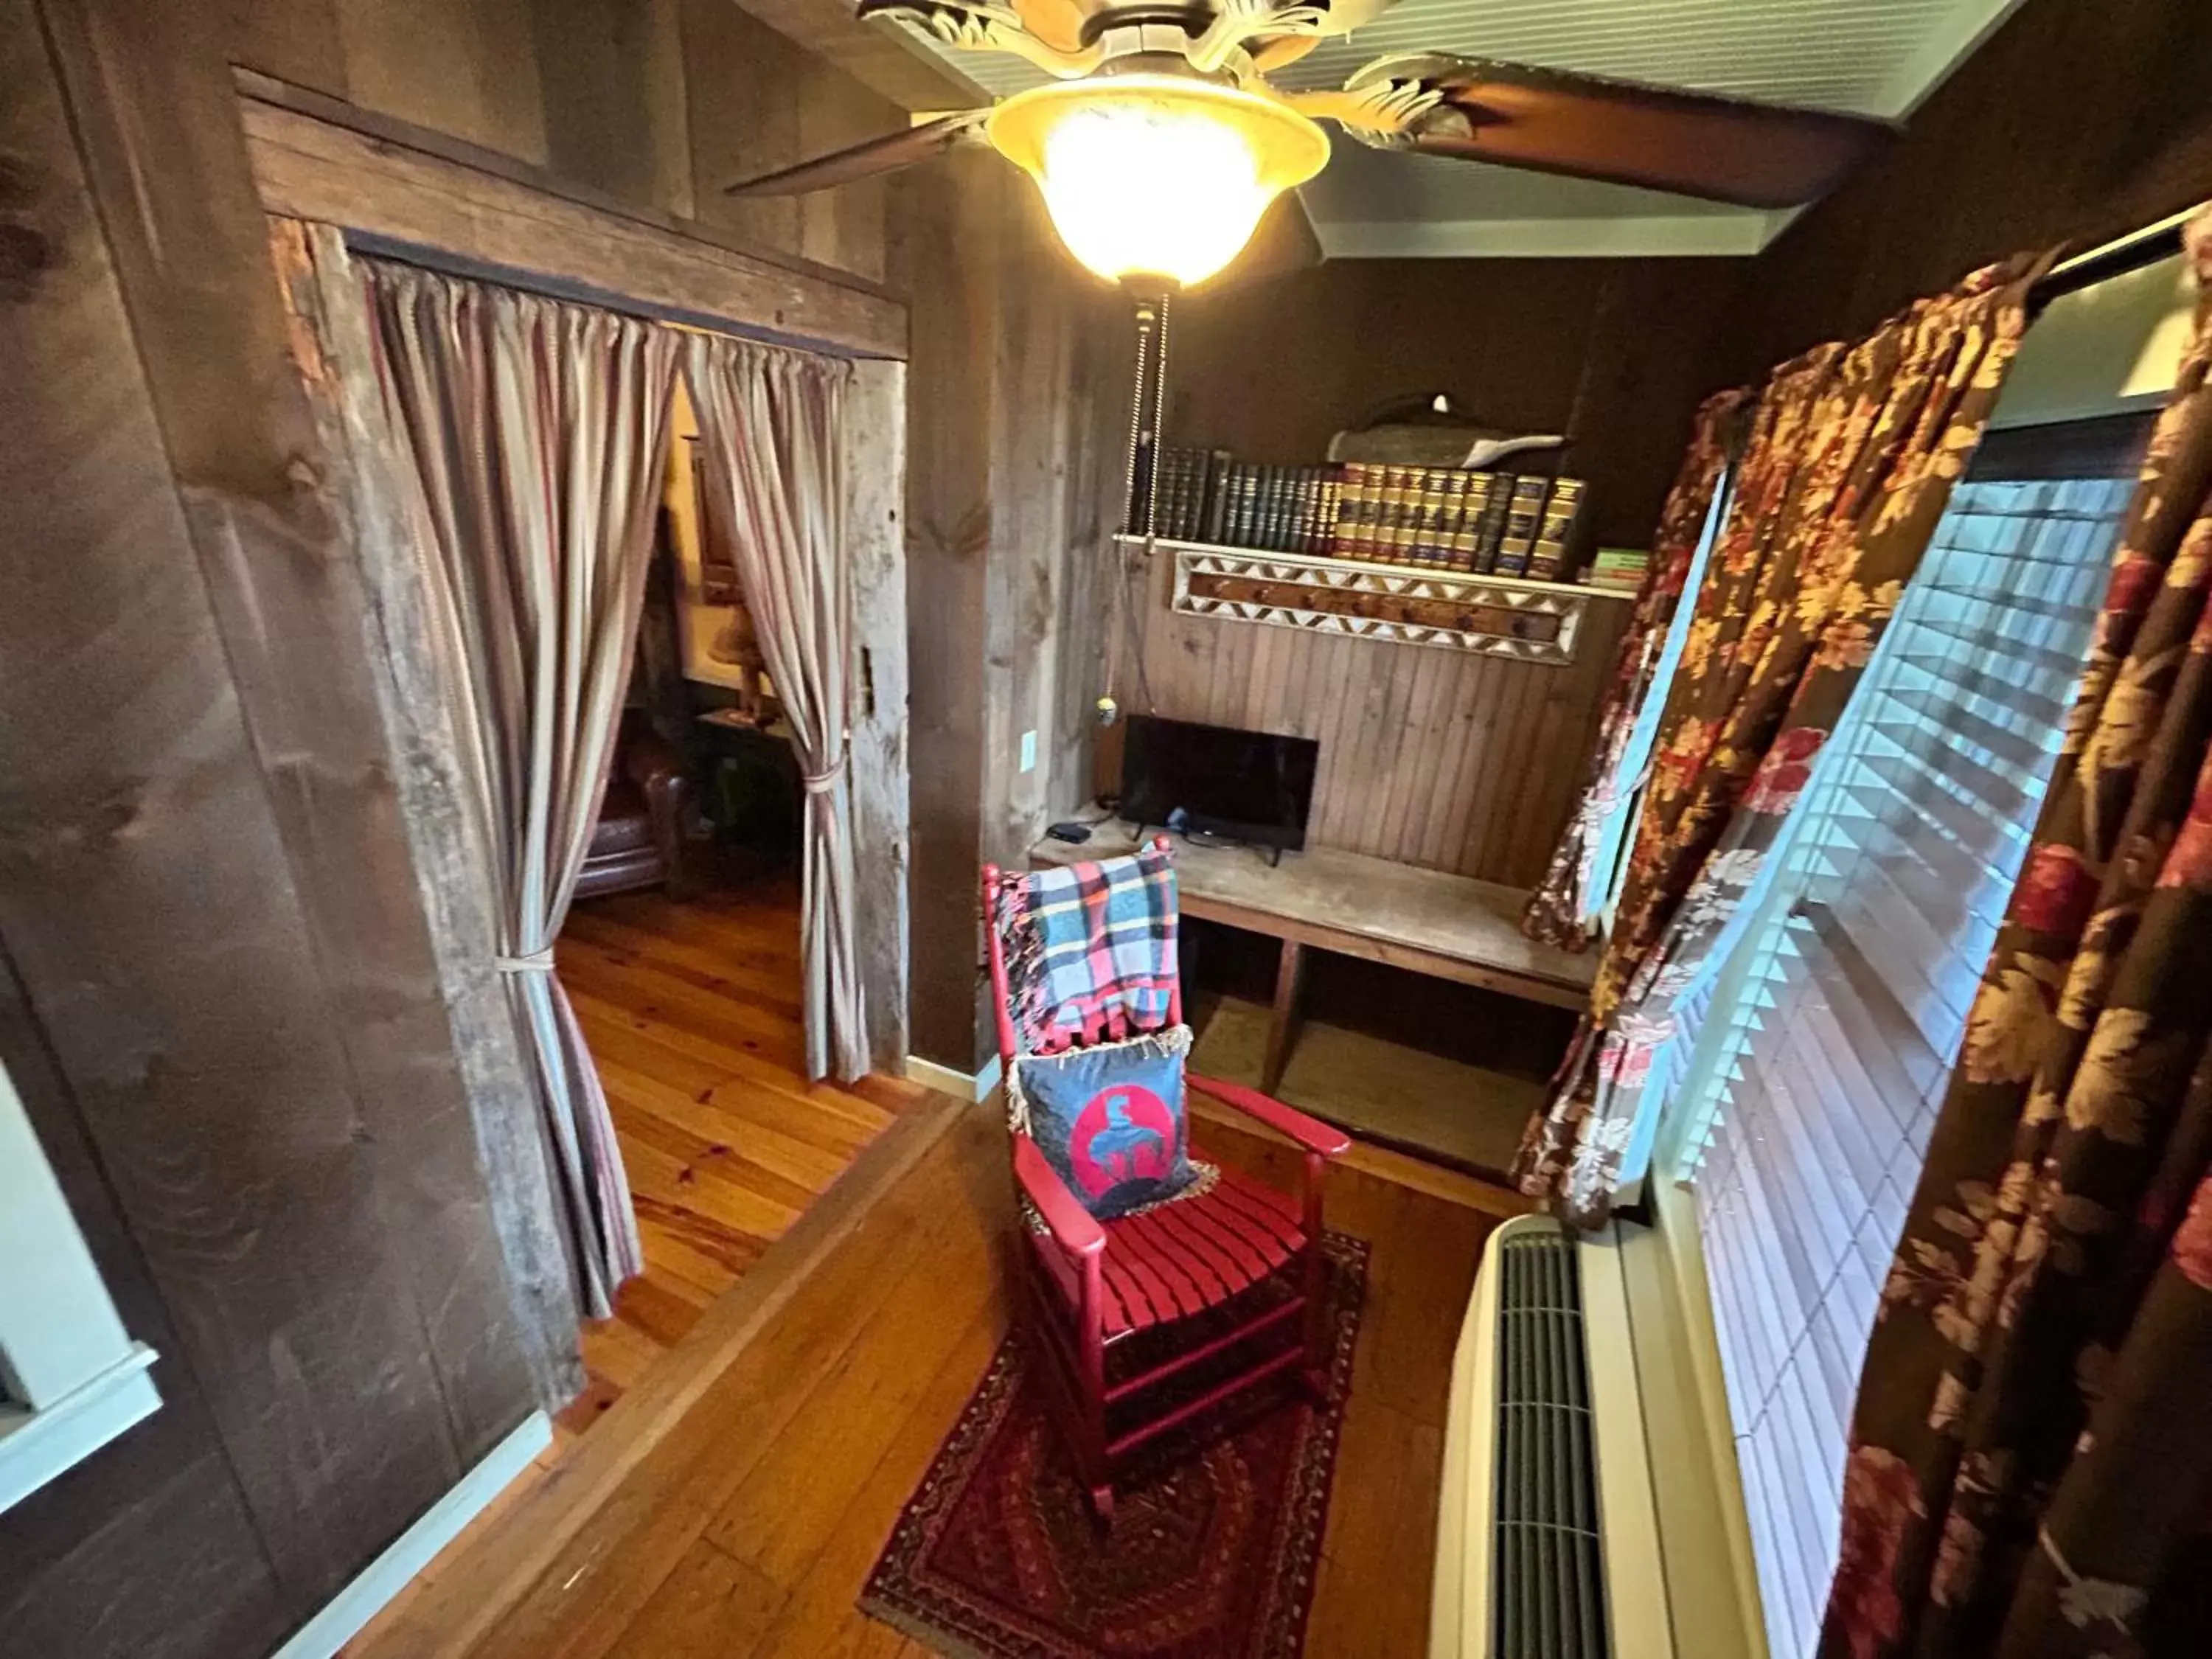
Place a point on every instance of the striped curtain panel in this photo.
(771, 428)
(539, 432)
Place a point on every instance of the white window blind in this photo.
(1837, 1022)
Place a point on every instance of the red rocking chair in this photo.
(1230, 1273)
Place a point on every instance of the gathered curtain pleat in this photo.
(2031, 1466)
(1851, 457)
(1562, 906)
(539, 432)
(771, 423)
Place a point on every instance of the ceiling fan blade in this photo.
(1345, 16)
(1280, 51)
(1726, 149)
(887, 154)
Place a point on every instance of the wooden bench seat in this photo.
(1427, 922)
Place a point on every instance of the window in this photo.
(71, 1377)
(1837, 1017)
(1615, 832)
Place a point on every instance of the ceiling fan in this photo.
(1160, 141)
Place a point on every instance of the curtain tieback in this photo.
(822, 782)
(537, 962)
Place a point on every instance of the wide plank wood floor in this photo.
(692, 1012)
(747, 1529)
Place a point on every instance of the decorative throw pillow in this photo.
(1110, 1119)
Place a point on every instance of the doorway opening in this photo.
(681, 954)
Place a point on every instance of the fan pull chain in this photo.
(1147, 398)
(1159, 417)
(1137, 515)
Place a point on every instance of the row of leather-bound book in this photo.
(1429, 517)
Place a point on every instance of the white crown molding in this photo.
(1957, 38)
(1728, 235)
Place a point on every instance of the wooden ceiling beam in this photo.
(880, 56)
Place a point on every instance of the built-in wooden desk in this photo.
(1427, 922)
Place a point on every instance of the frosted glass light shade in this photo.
(1156, 175)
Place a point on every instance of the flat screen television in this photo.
(1213, 780)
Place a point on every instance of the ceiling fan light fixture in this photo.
(1156, 175)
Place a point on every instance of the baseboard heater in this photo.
(1547, 1540)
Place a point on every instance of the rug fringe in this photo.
(915, 1631)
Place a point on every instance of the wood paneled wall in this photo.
(2072, 124)
(1458, 762)
(223, 1002)
(658, 103)
(1436, 757)
(1016, 414)
(314, 1189)
(1614, 353)
(759, 103)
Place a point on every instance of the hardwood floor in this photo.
(692, 1012)
(746, 1527)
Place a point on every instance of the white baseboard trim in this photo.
(35, 1446)
(345, 1613)
(961, 1085)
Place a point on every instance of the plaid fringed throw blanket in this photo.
(1090, 949)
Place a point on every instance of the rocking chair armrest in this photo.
(1073, 1228)
(1312, 1135)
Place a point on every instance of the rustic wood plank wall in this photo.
(1614, 353)
(2071, 123)
(223, 998)
(309, 164)
(1455, 761)
(724, 96)
(657, 103)
(159, 1510)
(763, 103)
(1059, 448)
(1015, 418)
(227, 1000)
(882, 831)
(940, 222)
(1437, 758)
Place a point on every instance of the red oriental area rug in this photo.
(1216, 1536)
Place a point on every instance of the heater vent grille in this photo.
(1548, 1579)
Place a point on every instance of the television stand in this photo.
(1427, 922)
(1207, 838)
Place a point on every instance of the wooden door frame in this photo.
(371, 185)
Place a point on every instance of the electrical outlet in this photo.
(1029, 751)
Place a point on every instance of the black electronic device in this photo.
(1254, 786)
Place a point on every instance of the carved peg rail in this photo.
(1490, 616)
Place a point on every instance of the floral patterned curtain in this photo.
(2031, 1464)
(1852, 455)
(1559, 907)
